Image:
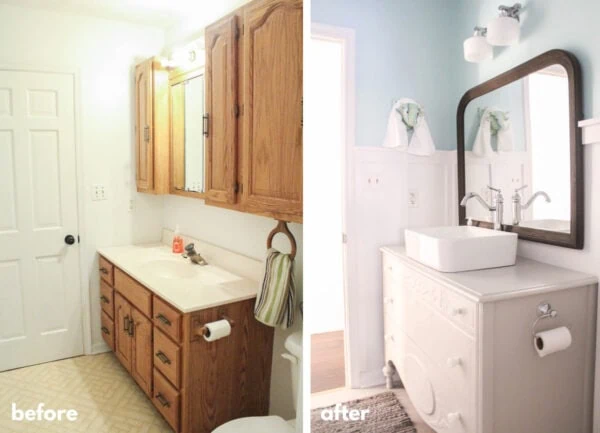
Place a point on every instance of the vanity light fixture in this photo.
(180, 57)
(476, 48)
(506, 28)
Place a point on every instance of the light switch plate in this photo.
(413, 198)
(98, 192)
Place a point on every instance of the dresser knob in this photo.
(388, 337)
(388, 300)
(453, 418)
(457, 311)
(453, 362)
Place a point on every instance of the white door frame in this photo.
(83, 270)
(346, 37)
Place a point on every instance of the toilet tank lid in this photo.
(293, 344)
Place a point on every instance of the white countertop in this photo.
(201, 287)
(527, 277)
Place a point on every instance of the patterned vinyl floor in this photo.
(97, 387)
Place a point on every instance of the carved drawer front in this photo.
(167, 358)
(166, 399)
(107, 299)
(136, 294)
(459, 310)
(108, 330)
(106, 269)
(433, 395)
(167, 319)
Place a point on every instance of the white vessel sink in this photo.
(461, 248)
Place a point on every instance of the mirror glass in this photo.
(187, 109)
(517, 140)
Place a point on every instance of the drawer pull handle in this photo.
(163, 357)
(388, 300)
(453, 418)
(457, 311)
(163, 319)
(105, 330)
(453, 362)
(104, 299)
(163, 401)
(104, 270)
(126, 324)
(389, 337)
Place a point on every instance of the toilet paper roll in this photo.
(217, 330)
(552, 341)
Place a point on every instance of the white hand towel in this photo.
(505, 139)
(396, 135)
(482, 146)
(421, 142)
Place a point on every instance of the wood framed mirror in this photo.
(518, 133)
(187, 132)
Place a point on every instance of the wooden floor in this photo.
(327, 361)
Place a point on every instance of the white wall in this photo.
(244, 234)
(103, 52)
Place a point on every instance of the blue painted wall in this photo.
(404, 48)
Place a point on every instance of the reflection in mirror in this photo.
(187, 110)
(517, 140)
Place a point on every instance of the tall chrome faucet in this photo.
(497, 210)
(518, 206)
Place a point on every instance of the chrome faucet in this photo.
(497, 210)
(190, 253)
(518, 207)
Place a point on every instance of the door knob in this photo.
(69, 239)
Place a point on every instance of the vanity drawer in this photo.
(107, 270)
(107, 299)
(167, 319)
(166, 400)
(108, 330)
(136, 294)
(459, 310)
(167, 358)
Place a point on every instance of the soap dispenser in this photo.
(177, 242)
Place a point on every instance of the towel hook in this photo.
(282, 228)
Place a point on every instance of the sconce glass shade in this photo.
(503, 31)
(477, 49)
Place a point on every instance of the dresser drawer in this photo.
(107, 299)
(106, 269)
(108, 330)
(167, 358)
(167, 319)
(136, 294)
(166, 400)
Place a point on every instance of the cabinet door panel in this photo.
(122, 338)
(273, 96)
(221, 101)
(143, 137)
(141, 351)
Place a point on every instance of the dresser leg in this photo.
(388, 371)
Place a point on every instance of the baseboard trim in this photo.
(370, 379)
(99, 348)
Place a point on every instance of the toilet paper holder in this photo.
(544, 311)
(202, 330)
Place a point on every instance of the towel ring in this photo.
(282, 228)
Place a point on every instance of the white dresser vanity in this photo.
(463, 345)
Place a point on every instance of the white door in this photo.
(40, 296)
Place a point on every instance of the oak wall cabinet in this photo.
(254, 109)
(152, 127)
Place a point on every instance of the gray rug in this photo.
(386, 415)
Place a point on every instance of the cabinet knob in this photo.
(453, 362)
(388, 300)
(389, 337)
(453, 418)
(457, 311)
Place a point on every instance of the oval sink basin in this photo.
(461, 248)
(172, 269)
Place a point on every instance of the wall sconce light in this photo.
(180, 57)
(505, 29)
(476, 48)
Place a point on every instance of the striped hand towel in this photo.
(275, 302)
